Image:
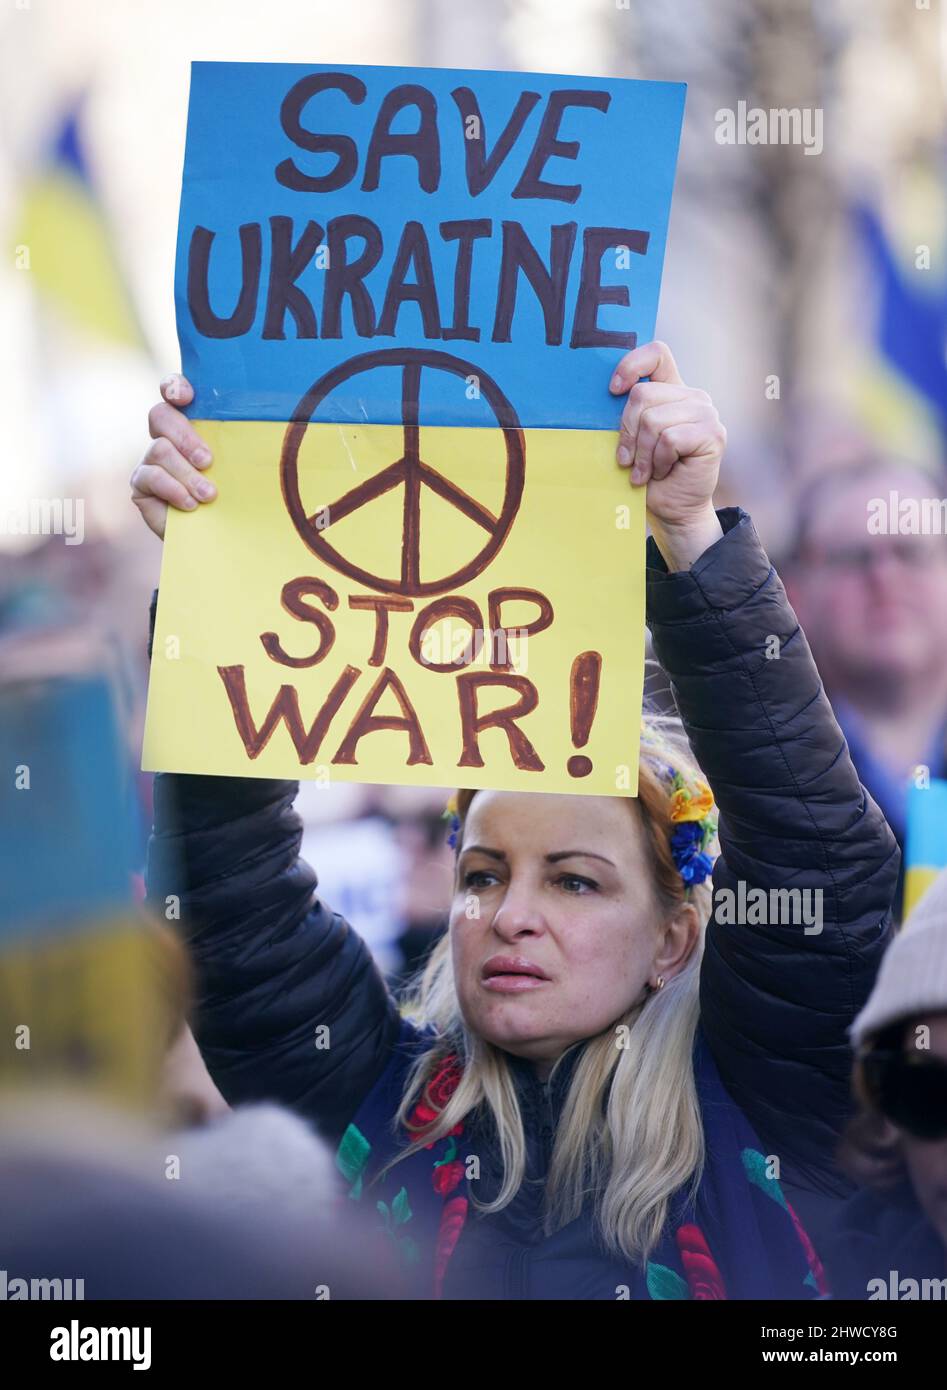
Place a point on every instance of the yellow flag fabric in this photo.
(917, 880)
(83, 1007)
(63, 240)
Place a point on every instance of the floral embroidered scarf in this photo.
(739, 1238)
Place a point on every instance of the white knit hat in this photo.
(913, 975)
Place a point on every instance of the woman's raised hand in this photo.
(170, 471)
(672, 440)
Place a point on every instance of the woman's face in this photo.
(555, 925)
(926, 1159)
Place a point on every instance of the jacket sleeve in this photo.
(776, 1000)
(272, 964)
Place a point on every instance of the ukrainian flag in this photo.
(925, 850)
(87, 988)
(62, 237)
(903, 384)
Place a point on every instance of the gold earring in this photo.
(660, 984)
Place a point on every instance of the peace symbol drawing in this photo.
(409, 472)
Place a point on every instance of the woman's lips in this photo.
(511, 975)
(512, 984)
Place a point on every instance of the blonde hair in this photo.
(630, 1132)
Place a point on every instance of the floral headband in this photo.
(450, 814)
(692, 813)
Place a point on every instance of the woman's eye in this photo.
(573, 883)
(479, 878)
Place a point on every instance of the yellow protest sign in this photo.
(414, 605)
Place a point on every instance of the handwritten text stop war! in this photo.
(296, 599)
(411, 277)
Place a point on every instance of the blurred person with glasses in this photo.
(867, 576)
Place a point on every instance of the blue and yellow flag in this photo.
(904, 379)
(82, 999)
(925, 850)
(62, 236)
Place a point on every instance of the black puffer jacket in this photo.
(273, 962)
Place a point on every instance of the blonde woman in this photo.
(585, 1098)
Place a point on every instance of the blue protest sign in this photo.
(65, 834)
(511, 225)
